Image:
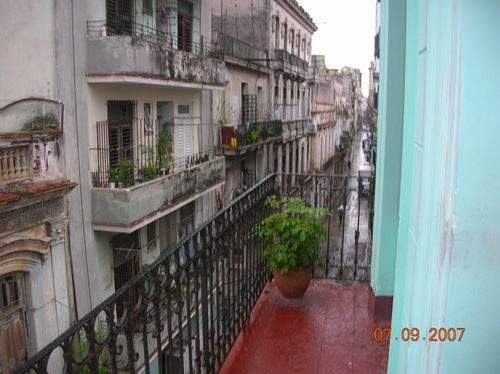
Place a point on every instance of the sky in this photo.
(346, 33)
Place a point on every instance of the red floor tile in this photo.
(328, 331)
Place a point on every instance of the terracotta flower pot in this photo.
(293, 285)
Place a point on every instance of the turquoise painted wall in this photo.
(448, 244)
(389, 135)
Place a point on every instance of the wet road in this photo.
(341, 240)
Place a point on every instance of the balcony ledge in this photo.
(127, 209)
(119, 58)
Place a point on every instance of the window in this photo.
(127, 264)
(151, 236)
(147, 7)
(184, 25)
(148, 119)
(183, 109)
(13, 330)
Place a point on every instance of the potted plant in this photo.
(292, 235)
(125, 173)
(113, 177)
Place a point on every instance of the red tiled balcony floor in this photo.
(328, 331)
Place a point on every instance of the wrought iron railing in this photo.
(189, 306)
(295, 128)
(252, 133)
(237, 48)
(152, 35)
(142, 150)
(287, 58)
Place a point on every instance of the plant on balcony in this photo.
(253, 135)
(292, 234)
(79, 350)
(125, 173)
(149, 172)
(164, 152)
(113, 177)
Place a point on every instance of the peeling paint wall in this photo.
(124, 207)
(123, 55)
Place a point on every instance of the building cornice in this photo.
(294, 8)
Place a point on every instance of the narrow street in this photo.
(341, 239)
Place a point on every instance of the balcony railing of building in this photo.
(184, 312)
(141, 151)
(295, 128)
(152, 35)
(292, 61)
(250, 134)
(234, 47)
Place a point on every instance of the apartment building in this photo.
(264, 110)
(325, 130)
(131, 82)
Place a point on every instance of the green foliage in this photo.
(79, 348)
(113, 175)
(292, 234)
(149, 172)
(164, 150)
(253, 135)
(126, 172)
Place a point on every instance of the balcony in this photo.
(191, 305)
(239, 50)
(138, 53)
(31, 170)
(329, 331)
(295, 129)
(248, 137)
(140, 171)
(291, 65)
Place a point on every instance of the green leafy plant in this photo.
(164, 151)
(149, 172)
(126, 172)
(79, 348)
(292, 234)
(113, 175)
(253, 135)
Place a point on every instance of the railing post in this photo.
(204, 302)
(356, 232)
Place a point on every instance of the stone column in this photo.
(270, 158)
(300, 150)
(280, 163)
(294, 159)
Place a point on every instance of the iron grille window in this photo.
(119, 17)
(127, 264)
(249, 109)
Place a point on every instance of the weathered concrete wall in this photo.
(244, 20)
(123, 55)
(126, 207)
(30, 70)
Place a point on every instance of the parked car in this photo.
(365, 173)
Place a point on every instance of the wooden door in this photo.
(185, 26)
(13, 332)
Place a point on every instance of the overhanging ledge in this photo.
(154, 81)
